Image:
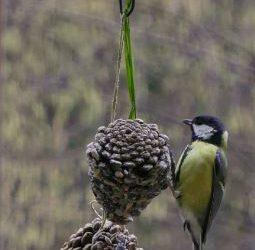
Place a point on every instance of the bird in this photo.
(200, 176)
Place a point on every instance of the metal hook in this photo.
(132, 6)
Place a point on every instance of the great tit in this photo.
(200, 176)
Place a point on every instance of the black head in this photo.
(206, 128)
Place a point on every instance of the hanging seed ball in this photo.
(111, 237)
(128, 166)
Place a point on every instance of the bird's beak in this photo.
(187, 122)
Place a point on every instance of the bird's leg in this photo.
(177, 194)
(185, 225)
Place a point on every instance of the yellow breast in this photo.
(195, 183)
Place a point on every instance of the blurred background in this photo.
(58, 62)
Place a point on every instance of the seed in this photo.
(147, 167)
(129, 164)
(119, 174)
(97, 225)
(99, 136)
(139, 121)
(107, 240)
(108, 147)
(76, 242)
(106, 154)
(163, 165)
(98, 246)
(87, 247)
(95, 154)
(101, 129)
(80, 232)
(87, 238)
(132, 246)
(72, 236)
(115, 229)
(165, 137)
(115, 163)
(134, 154)
(126, 157)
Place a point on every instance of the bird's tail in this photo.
(197, 242)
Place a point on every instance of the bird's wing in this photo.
(172, 171)
(179, 164)
(218, 185)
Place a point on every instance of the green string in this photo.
(129, 68)
(125, 41)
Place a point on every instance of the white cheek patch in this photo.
(203, 131)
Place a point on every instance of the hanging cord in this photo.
(124, 41)
(117, 74)
(101, 217)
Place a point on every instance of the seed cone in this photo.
(111, 237)
(129, 162)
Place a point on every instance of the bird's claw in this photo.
(177, 194)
